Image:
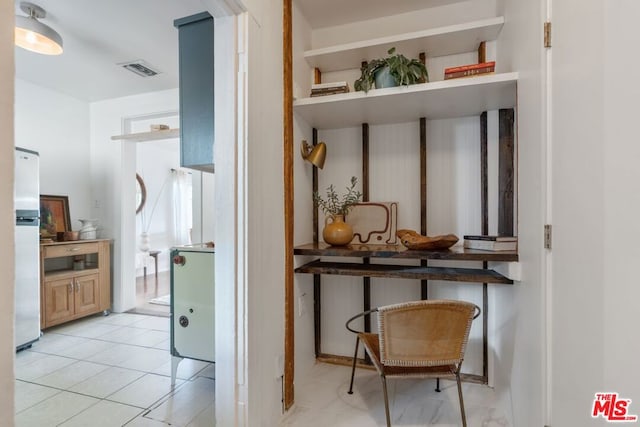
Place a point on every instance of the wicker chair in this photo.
(424, 339)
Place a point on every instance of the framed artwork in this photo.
(54, 215)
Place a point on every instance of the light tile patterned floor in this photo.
(110, 371)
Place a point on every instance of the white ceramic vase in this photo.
(144, 242)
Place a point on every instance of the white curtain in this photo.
(181, 208)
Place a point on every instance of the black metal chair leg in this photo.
(353, 367)
(386, 399)
(438, 385)
(464, 418)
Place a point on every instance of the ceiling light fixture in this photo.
(33, 35)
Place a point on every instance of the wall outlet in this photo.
(302, 308)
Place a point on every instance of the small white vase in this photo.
(144, 242)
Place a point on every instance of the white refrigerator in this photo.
(27, 248)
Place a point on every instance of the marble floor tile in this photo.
(107, 382)
(104, 414)
(209, 371)
(87, 329)
(84, 349)
(29, 394)
(71, 375)
(42, 366)
(115, 354)
(25, 357)
(122, 335)
(145, 359)
(153, 322)
(187, 369)
(121, 319)
(181, 407)
(149, 338)
(54, 410)
(142, 421)
(145, 391)
(51, 343)
(206, 418)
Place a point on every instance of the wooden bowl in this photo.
(413, 240)
(71, 235)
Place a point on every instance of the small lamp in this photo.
(33, 35)
(315, 155)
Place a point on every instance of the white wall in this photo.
(265, 215)
(7, 215)
(57, 127)
(519, 310)
(113, 181)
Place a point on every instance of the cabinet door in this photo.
(195, 38)
(58, 300)
(87, 294)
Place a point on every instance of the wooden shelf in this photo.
(456, 253)
(443, 99)
(404, 272)
(148, 136)
(449, 40)
(61, 274)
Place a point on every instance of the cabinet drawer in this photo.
(70, 250)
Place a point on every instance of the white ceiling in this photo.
(97, 35)
(328, 13)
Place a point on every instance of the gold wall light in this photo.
(315, 155)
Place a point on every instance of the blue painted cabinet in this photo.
(195, 37)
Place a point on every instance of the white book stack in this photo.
(491, 243)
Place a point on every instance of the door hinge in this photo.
(547, 34)
(547, 236)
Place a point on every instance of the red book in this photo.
(469, 67)
(468, 73)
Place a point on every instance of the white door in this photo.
(595, 206)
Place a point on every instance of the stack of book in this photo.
(329, 88)
(469, 70)
(491, 243)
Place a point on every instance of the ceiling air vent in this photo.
(140, 67)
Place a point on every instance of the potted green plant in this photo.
(336, 231)
(394, 70)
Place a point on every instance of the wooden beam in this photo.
(484, 212)
(289, 347)
(317, 279)
(506, 172)
(366, 281)
(424, 284)
(482, 52)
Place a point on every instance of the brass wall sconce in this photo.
(315, 155)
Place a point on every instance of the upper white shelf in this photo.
(149, 136)
(449, 40)
(444, 99)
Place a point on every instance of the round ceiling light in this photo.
(33, 35)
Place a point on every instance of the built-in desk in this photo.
(423, 272)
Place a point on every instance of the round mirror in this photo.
(141, 193)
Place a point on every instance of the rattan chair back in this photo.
(424, 333)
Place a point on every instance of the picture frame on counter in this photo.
(54, 215)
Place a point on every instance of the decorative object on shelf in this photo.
(399, 71)
(54, 215)
(491, 243)
(70, 236)
(374, 222)
(332, 88)
(89, 228)
(144, 242)
(413, 240)
(155, 128)
(315, 155)
(337, 232)
(469, 70)
(141, 193)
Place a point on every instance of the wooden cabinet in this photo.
(76, 280)
(196, 91)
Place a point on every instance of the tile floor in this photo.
(110, 371)
(322, 400)
(115, 371)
